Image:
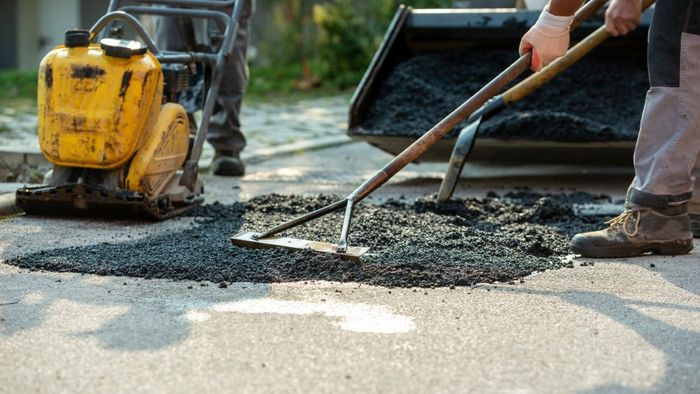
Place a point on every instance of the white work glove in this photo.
(548, 39)
(623, 16)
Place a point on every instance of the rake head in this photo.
(247, 240)
(269, 239)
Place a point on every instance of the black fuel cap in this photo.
(77, 38)
(122, 48)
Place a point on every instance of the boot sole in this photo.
(655, 248)
(695, 225)
(696, 231)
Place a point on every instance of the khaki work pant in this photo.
(186, 34)
(666, 157)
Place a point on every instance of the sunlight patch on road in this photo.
(197, 316)
(34, 298)
(349, 317)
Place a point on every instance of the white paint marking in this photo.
(34, 298)
(196, 316)
(352, 317)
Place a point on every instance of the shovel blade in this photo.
(246, 240)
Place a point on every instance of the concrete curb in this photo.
(17, 157)
(14, 158)
(264, 154)
(10, 187)
(7, 205)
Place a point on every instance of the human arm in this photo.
(549, 39)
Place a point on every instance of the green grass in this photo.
(267, 83)
(20, 85)
(274, 79)
(17, 96)
(285, 83)
(291, 97)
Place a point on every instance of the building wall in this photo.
(27, 34)
(8, 32)
(91, 11)
(54, 18)
(39, 25)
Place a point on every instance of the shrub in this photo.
(349, 33)
(18, 84)
(346, 41)
(327, 42)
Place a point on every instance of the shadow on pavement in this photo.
(140, 314)
(134, 315)
(680, 346)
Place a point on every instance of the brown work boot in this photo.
(695, 224)
(639, 231)
(227, 163)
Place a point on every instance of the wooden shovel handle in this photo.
(428, 139)
(539, 79)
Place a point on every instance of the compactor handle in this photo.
(114, 4)
(130, 20)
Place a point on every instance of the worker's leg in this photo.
(224, 133)
(225, 129)
(669, 139)
(174, 33)
(668, 146)
(694, 205)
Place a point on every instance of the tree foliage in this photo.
(332, 40)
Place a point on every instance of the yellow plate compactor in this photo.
(110, 123)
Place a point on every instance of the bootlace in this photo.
(621, 222)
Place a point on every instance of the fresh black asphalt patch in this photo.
(598, 99)
(419, 243)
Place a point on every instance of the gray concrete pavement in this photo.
(613, 327)
(341, 169)
(616, 326)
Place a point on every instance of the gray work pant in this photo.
(184, 34)
(666, 157)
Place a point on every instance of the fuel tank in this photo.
(95, 101)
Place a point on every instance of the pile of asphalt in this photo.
(420, 243)
(598, 99)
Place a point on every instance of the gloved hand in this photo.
(623, 16)
(548, 39)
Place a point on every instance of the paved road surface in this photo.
(616, 326)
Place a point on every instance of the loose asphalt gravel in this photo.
(598, 99)
(414, 243)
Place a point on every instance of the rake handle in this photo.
(438, 131)
(426, 141)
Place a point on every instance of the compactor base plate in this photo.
(92, 200)
(247, 240)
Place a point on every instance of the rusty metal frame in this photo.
(81, 199)
(87, 199)
(186, 8)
